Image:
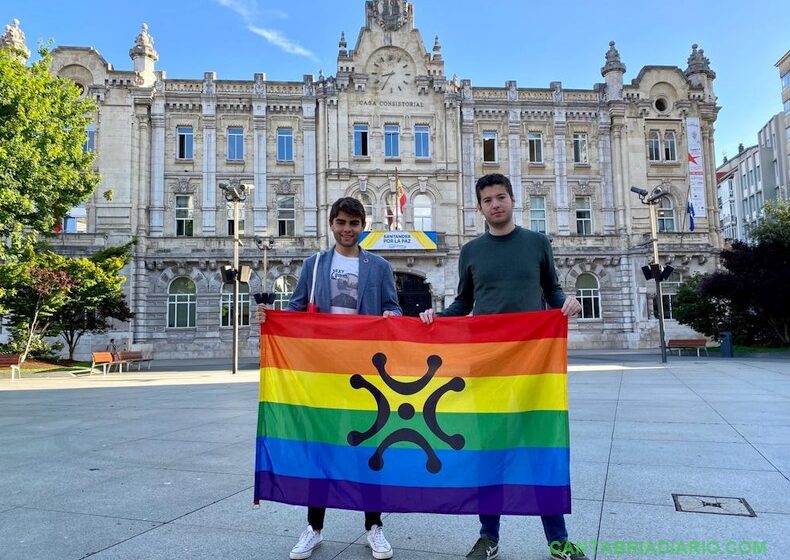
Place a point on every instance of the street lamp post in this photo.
(264, 243)
(654, 271)
(236, 193)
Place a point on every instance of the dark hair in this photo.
(493, 179)
(350, 206)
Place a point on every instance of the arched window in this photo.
(368, 204)
(589, 296)
(653, 146)
(226, 305)
(181, 303)
(666, 215)
(284, 288)
(670, 151)
(423, 212)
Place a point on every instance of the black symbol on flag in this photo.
(406, 411)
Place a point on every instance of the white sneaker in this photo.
(308, 542)
(378, 543)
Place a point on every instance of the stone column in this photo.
(209, 192)
(468, 156)
(617, 177)
(561, 210)
(260, 194)
(309, 148)
(157, 208)
(514, 151)
(605, 157)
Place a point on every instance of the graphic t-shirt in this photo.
(344, 284)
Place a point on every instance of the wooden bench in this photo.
(12, 361)
(106, 360)
(691, 343)
(130, 357)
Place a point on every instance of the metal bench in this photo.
(690, 343)
(12, 361)
(130, 357)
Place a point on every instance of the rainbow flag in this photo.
(468, 415)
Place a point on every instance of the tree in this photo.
(51, 295)
(749, 295)
(95, 298)
(696, 309)
(44, 170)
(36, 287)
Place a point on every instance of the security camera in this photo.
(640, 192)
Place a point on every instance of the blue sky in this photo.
(531, 42)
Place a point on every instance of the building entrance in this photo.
(414, 295)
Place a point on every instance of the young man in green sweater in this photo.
(506, 270)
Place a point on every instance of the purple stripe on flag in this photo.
(501, 499)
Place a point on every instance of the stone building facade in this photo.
(390, 114)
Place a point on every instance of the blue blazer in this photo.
(376, 295)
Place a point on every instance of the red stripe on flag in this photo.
(508, 327)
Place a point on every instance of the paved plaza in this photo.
(159, 465)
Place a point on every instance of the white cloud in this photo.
(278, 39)
(250, 12)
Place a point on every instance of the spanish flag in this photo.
(400, 193)
(468, 415)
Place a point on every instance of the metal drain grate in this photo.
(718, 505)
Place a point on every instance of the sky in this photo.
(488, 42)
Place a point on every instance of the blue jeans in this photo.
(553, 526)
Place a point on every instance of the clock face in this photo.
(391, 71)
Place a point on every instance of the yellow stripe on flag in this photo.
(520, 393)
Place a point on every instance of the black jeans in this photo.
(315, 518)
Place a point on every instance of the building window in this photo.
(666, 215)
(231, 224)
(227, 307)
(286, 216)
(589, 296)
(284, 288)
(361, 140)
(535, 140)
(285, 144)
(423, 212)
(181, 303)
(537, 213)
(184, 216)
(583, 215)
(235, 143)
(422, 141)
(670, 148)
(669, 290)
(391, 141)
(90, 139)
(580, 148)
(367, 204)
(489, 147)
(653, 146)
(185, 140)
(76, 221)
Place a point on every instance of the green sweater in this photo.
(506, 274)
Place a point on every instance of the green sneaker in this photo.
(484, 549)
(566, 550)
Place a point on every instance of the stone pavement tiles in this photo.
(102, 471)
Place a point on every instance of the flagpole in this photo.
(397, 202)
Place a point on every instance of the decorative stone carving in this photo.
(259, 87)
(209, 87)
(308, 88)
(466, 91)
(537, 188)
(512, 91)
(423, 183)
(390, 14)
(143, 45)
(363, 183)
(285, 186)
(183, 186)
(698, 63)
(613, 62)
(583, 187)
(14, 38)
(557, 93)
